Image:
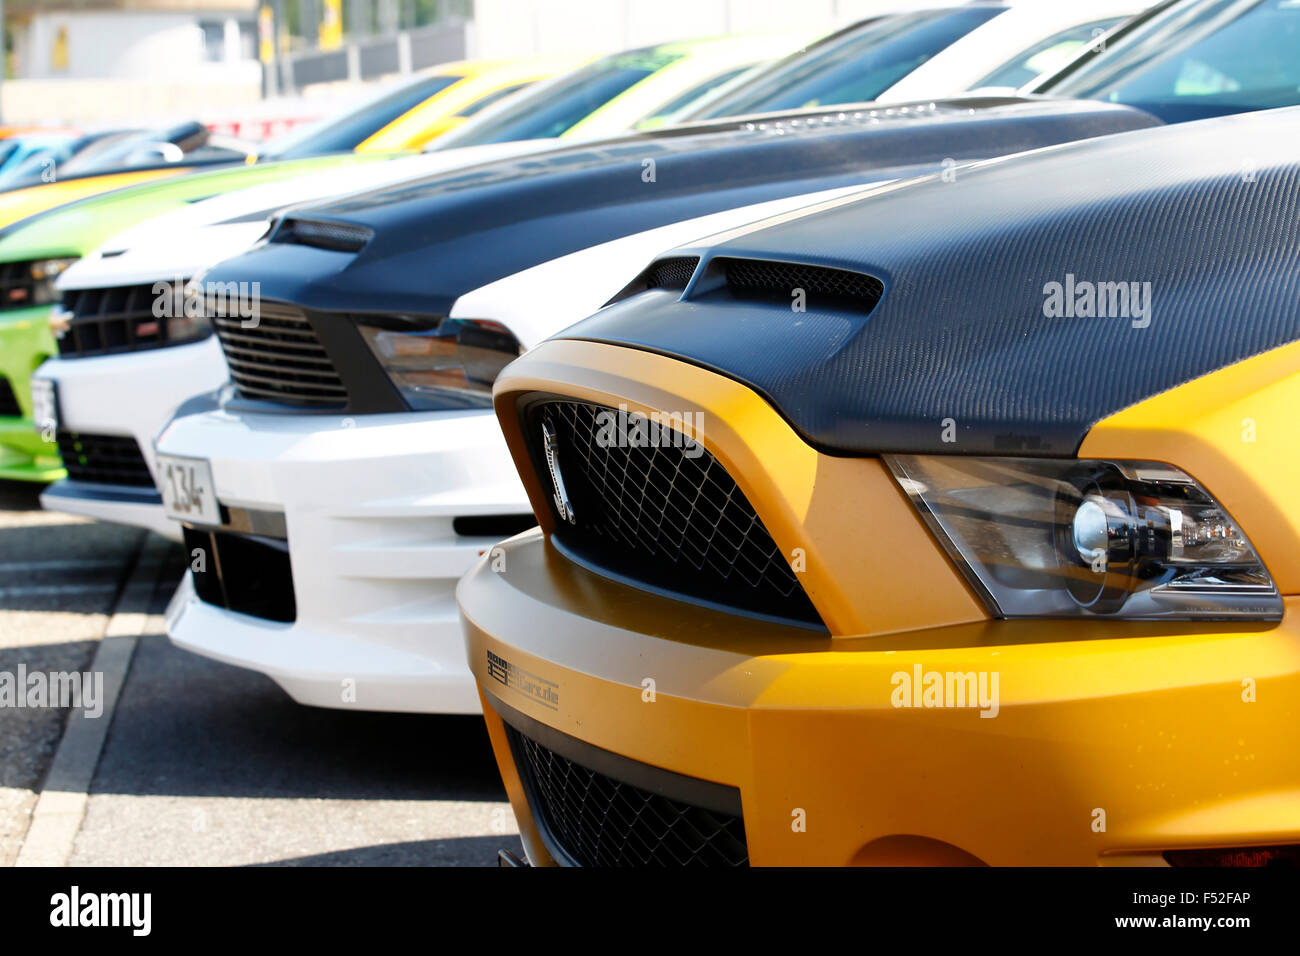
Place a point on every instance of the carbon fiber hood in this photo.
(432, 239)
(1203, 217)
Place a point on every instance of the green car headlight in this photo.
(44, 272)
(450, 364)
(1120, 539)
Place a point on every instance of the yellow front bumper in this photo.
(1103, 749)
(1109, 741)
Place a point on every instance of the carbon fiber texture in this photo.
(1205, 212)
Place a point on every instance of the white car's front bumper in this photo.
(368, 506)
(131, 395)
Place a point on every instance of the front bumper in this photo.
(131, 394)
(1102, 751)
(368, 506)
(1077, 741)
(25, 341)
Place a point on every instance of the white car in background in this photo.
(385, 512)
(115, 403)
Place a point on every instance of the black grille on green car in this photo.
(597, 820)
(277, 357)
(103, 459)
(122, 319)
(661, 513)
(9, 407)
(17, 287)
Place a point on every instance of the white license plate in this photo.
(45, 406)
(187, 490)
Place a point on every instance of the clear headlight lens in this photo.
(451, 365)
(44, 272)
(1120, 539)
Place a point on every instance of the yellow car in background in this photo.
(479, 85)
(19, 204)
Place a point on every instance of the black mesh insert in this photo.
(824, 288)
(104, 459)
(600, 821)
(663, 516)
(673, 272)
(243, 572)
(9, 407)
(335, 236)
(277, 357)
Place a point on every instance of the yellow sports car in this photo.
(949, 523)
(480, 84)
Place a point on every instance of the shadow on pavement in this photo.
(454, 851)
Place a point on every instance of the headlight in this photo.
(450, 365)
(43, 274)
(1120, 539)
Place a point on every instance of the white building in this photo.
(188, 40)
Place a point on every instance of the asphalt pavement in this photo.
(204, 763)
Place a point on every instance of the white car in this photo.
(114, 401)
(355, 531)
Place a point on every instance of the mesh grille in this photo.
(658, 516)
(104, 459)
(600, 821)
(757, 279)
(278, 359)
(335, 236)
(9, 407)
(672, 273)
(16, 285)
(121, 319)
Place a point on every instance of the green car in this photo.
(34, 253)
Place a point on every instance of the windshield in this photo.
(1198, 59)
(678, 103)
(339, 134)
(1048, 56)
(853, 66)
(549, 109)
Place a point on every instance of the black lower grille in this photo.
(104, 459)
(241, 572)
(597, 820)
(662, 512)
(278, 358)
(9, 407)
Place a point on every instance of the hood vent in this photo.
(777, 282)
(335, 236)
(672, 274)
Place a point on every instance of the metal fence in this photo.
(372, 57)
